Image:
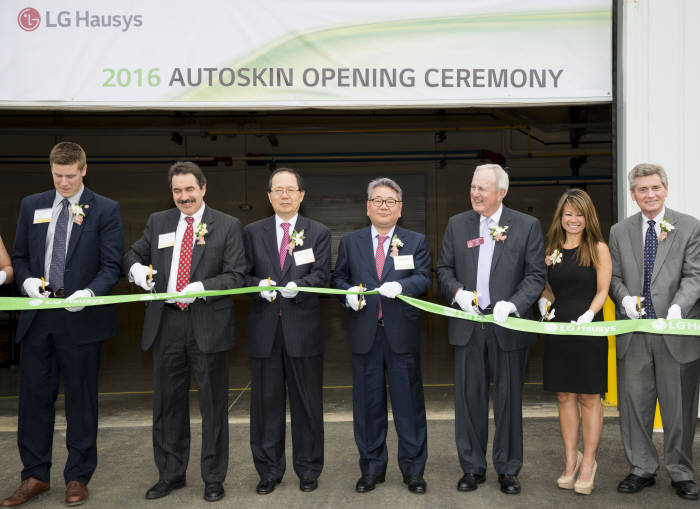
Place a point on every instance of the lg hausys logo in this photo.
(29, 20)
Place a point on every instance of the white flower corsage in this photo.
(296, 239)
(666, 227)
(78, 212)
(396, 243)
(498, 233)
(554, 258)
(201, 232)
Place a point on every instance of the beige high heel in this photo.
(566, 482)
(585, 488)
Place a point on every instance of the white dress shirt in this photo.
(387, 241)
(494, 219)
(657, 227)
(56, 210)
(179, 234)
(280, 232)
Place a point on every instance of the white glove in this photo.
(267, 295)
(630, 305)
(465, 300)
(3, 277)
(197, 286)
(586, 317)
(543, 304)
(80, 294)
(502, 309)
(353, 301)
(289, 291)
(139, 275)
(674, 312)
(32, 287)
(390, 289)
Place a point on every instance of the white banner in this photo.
(303, 53)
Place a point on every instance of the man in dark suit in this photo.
(69, 242)
(384, 334)
(656, 258)
(498, 254)
(192, 248)
(285, 342)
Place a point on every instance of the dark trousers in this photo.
(47, 351)
(370, 409)
(175, 352)
(304, 379)
(478, 362)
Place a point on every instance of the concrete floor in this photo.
(126, 468)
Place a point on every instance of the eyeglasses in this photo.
(279, 191)
(390, 202)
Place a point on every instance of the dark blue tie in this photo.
(58, 253)
(650, 245)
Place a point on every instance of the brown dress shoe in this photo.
(76, 493)
(29, 488)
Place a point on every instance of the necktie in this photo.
(58, 252)
(379, 258)
(651, 243)
(284, 244)
(483, 271)
(185, 262)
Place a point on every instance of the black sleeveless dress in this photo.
(577, 364)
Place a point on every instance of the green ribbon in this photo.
(679, 327)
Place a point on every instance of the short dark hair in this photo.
(184, 167)
(300, 181)
(67, 152)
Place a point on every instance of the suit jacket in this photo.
(93, 260)
(219, 264)
(517, 271)
(300, 316)
(356, 264)
(675, 278)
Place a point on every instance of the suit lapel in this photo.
(505, 220)
(634, 236)
(39, 233)
(366, 246)
(473, 233)
(87, 201)
(665, 246)
(389, 260)
(167, 253)
(198, 250)
(269, 239)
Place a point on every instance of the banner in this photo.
(98, 54)
(681, 327)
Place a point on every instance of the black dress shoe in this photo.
(416, 485)
(368, 483)
(686, 489)
(266, 486)
(308, 485)
(634, 483)
(163, 488)
(470, 482)
(509, 484)
(213, 491)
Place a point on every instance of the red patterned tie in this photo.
(185, 262)
(285, 243)
(379, 258)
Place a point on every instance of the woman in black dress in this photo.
(575, 367)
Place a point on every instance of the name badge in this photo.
(404, 262)
(475, 242)
(166, 240)
(304, 256)
(42, 216)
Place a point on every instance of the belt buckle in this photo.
(380, 322)
(56, 294)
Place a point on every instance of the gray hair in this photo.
(384, 182)
(644, 170)
(498, 172)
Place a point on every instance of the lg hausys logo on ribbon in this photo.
(29, 20)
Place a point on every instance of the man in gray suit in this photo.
(498, 254)
(191, 248)
(656, 260)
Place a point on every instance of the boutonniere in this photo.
(554, 258)
(78, 212)
(201, 232)
(295, 239)
(666, 228)
(396, 243)
(498, 233)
